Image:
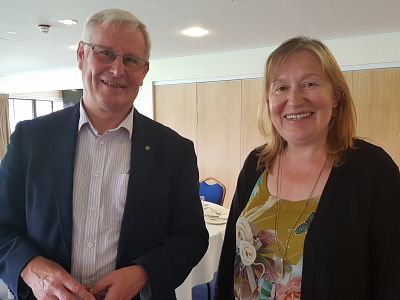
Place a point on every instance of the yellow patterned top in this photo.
(259, 273)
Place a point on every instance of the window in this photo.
(27, 109)
(43, 108)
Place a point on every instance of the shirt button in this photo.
(101, 143)
(90, 245)
(93, 208)
(96, 174)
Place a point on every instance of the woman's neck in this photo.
(306, 153)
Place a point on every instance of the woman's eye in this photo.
(310, 84)
(280, 89)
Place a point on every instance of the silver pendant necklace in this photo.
(283, 247)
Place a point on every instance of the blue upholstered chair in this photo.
(212, 190)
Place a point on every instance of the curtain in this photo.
(4, 125)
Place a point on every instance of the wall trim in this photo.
(387, 65)
(208, 79)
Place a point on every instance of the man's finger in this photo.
(100, 288)
(78, 290)
(101, 295)
(63, 294)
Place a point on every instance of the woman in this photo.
(314, 214)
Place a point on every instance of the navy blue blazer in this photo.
(162, 228)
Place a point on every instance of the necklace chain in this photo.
(284, 251)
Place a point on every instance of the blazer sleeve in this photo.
(15, 248)
(169, 263)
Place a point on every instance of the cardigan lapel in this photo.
(64, 138)
(142, 155)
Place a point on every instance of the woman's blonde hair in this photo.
(341, 131)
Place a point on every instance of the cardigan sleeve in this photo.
(385, 228)
(245, 183)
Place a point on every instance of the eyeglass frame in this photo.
(123, 56)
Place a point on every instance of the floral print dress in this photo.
(258, 271)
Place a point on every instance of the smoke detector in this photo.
(44, 28)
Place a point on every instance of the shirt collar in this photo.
(127, 123)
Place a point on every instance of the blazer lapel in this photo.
(64, 138)
(142, 156)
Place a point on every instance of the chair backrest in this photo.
(212, 190)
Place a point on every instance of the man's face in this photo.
(111, 87)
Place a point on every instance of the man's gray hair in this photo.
(115, 16)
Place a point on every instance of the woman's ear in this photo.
(337, 95)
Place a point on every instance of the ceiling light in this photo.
(67, 21)
(13, 32)
(195, 31)
(73, 47)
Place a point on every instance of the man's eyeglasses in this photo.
(107, 55)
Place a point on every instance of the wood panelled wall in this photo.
(377, 99)
(221, 118)
(175, 107)
(218, 141)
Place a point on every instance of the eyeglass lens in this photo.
(106, 55)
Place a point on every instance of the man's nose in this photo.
(117, 67)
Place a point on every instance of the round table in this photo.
(204, 271)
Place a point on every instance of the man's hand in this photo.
(121, 284)
(48, 280)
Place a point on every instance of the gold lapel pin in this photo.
(147, 147)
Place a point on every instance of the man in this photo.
(98, 201)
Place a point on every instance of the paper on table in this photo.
(214, 214)
(215, 221)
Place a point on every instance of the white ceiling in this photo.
(234, 25)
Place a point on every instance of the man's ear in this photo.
(145, 71)
(80, 54)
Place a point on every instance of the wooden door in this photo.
(377, 99)
(175, 107)
(250, 136)
(218, 132)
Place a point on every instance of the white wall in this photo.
(42, 80)
(363, 52)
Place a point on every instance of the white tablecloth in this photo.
(208, 265)
(4, 293)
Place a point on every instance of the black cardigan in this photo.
(351, 250)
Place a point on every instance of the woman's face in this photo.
(301, 100)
